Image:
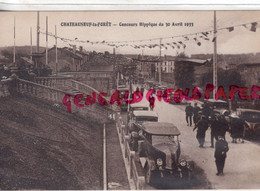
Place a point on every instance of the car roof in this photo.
(160, 128)
(248, 110)
(145, 113)
(139, 104)
(215, 101)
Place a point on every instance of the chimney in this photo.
(114, 51)
(81, 49)
(106, 53)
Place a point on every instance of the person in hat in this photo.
(221, 127)
(189, 112)
(237, 128)
(213, 133)
(151, 101)
(221, 148)
(202, 127)
(196, 111)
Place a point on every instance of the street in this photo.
(242, 164)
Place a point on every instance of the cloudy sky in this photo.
(240, 40)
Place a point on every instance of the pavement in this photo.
(242, 167)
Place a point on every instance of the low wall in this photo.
(55, 95)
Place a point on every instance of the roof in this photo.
(248, 110)
(160, 128)
(145, 113)
(27, 60)
(252, 64)
(194, 61)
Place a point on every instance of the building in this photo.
(250, 73)
(167, 65)
(68, 59)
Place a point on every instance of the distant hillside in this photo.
(231, 58)
(24, 50)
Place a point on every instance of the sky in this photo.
(240, 40)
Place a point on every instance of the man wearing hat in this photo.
(237, 128)
(202, 126)
(221, 148)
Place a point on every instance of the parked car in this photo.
(173, 97)
(139, 116)
(140, 106)
(148, 84)
(136, 119)
(160, 151)
(122, 91)
(219, 106)
(252, 119)
(121, 86)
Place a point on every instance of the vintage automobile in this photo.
(140, 116)
(219, 106)
(121, 86)
(159, 152)
(122, 91)
(136, 119)
(140, 106)
(252, 119)
(173, 97)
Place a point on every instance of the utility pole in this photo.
(160, 63)
(38, 32)
(14, 43)
(56, 60)
(38, 44)
(31, 41)
(46, 41)
(215, 79)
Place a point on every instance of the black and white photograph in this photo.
(129, 100)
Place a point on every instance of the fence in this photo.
(130, 156)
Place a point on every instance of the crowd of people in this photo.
(219, 124)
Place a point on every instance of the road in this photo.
(242, 166)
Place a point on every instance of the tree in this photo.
(183, 73)
(226, 78)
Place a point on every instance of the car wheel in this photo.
(148, 175)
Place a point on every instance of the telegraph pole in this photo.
(31, 41)
(38, 32)
(14, 42)
(46, 41)
(160, 63)
(215, 79)
(56, 60)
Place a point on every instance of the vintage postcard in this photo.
(129, 100)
